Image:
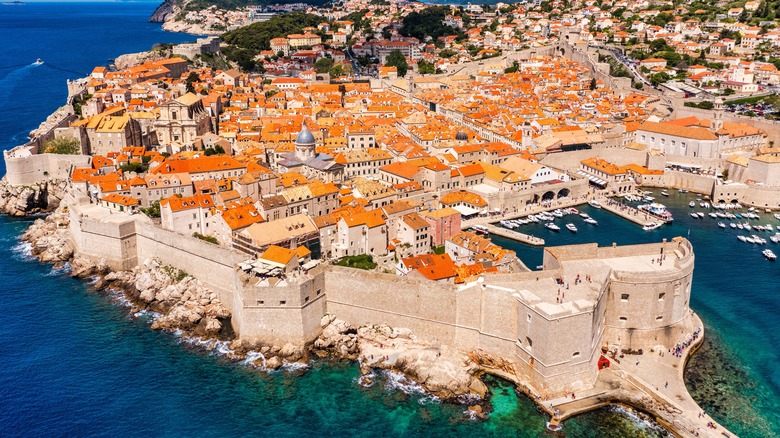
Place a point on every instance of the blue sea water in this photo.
(75, 363)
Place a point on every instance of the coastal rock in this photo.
(274, 363)
(39, 198)
(442, 371)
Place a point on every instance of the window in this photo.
(306, 300)
(659, 318)
(661, 296)
(260, 302)
(624, 298)
(529, 343)
(623, 318)
(319, 291)
(529, 317)
(282, 303)
(576, 354)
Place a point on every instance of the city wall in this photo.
(25, 167)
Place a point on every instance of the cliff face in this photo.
(167, 9)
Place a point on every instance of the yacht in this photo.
(652, 226)
(552, 226)
(775, 238)
(749, 240)
(758, 240)
(701, 215)
(732, 225)
(584, 215)
(590, 220)
(657, 210)
(557, 213)
(694, 215)
(742, 238)
(740, 226)
(664, 193)
(713, 215)
(571, 227)
(533, 218)
(747, 226)
(480, 229)
(769, 254)
(721, 224)
(594, 203)
(691, 204)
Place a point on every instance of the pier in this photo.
(515, 235)
(627, 212)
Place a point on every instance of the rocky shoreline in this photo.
(27, 200)
(182, 304)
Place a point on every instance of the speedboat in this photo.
(721, 224)
(742, 238)
(38, 61)
(594, 203)
(740, 226)
(557, 213)
(777, 216)
(691, 204)
(775, 238)
(713, 215)
(590, 220)
(480, 229)
(649, 198)
(584, 215)
(750, 240)
(747, 226)
(573, 210)
(694, 215)
(733, 225)
(769, 254)
(701, 215)
(571, 227)
(664, 192)
(652, 226)
(682, 191)
(552, 226)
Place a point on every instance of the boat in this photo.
(594, 203)
(769, 254)
(775, 238)
(740, 226)
(552, 226)
(747, 226)
(557, 213)
(694, 215)
(664, 193)
(749, 240)
(738, 216)
(701, 204)
(591, 221)
(769, 227)
(733, 225)
(648, 198)
(682, 191)
(573, 210)
(721, 224)
(584, 215)
(571, 227)
(533, 218)
(657, 210)
(701, 215)
(706, 205)
(777, 216)
(742, 238)
(713, 215)
(480, 229)
(652, 226)
(38, 61)
(14, 3)
(691, 204)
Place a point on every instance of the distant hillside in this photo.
(170, 8)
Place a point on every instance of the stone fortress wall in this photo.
(553, 347)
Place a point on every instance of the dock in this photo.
(515, 235)
(629, 213)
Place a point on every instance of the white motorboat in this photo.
(775, 238)
(557, 213)
(701, 215)
(694, 215)
(664, 192)
(713, 215)
(777, 216)
(750, 240)
(533, 218)
(758, 240)
(691, 204)
(584, 215)
(552, 226)
(769, 227)
(747, 226)
(594, 203)
(652, 226)
(571, 227)
(740, 226)
(769, 254)
(480, 229)
(721, 224)
(706, 205)
(648, 198)
(733, 225)
(573, 210)
(742, 238)
(591, 221)
(682, 191)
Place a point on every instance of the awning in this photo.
(592, 178)
(310, 264)
(466, 211)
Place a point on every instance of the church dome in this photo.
(304, 137)
(461, 136)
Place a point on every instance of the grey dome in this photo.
(461, 136)
(304, 137)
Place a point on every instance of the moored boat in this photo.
(721, 224)
(652, 226)
(594, 203)
(552, 226)
(480, 229)
(769, 254)
(664, 192)
(571, 227)
(657, 210)
(591, 221)
(691, 204)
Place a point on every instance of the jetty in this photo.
(515, 235)
(627, 212)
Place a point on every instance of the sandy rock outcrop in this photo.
(24, 200)
(442, 371)
(50, 239)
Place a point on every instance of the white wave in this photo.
(294, 366)
(252, 356)
(555, 428)
(640, 419)
(150, 315)
(399, 382)
(62, 270)
(23, 251)
(468, 399)
(471, 415)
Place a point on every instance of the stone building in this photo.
(181, 120)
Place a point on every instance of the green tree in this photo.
(398, 60)
(192, 78)
(62, 145)
(426, 67)
(593, 83)
(323, 65)
(153, 211)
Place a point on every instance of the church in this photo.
(307, 162)
(700, 138)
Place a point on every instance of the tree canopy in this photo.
(398, 60)
(428, 22)
(62, 145)
(257, 36)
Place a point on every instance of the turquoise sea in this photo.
(75, 363)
